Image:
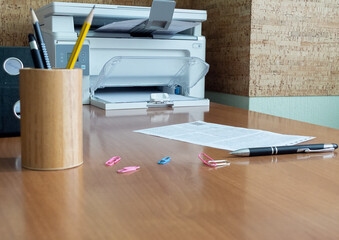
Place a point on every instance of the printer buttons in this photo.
(197, 45)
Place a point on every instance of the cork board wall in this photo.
(227, 31)
(272, 48)
(294, 48)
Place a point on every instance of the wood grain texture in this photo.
(51, 118)
(270, 197)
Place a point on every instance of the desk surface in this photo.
(272, 197)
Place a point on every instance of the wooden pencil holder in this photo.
(51, 118)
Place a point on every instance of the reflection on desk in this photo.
(294, 198)
(279, 159)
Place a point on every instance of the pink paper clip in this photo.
(211, 162)
(128, 169)
(112, 161)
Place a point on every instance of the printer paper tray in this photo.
(141, 99)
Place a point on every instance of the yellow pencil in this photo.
(80, 41)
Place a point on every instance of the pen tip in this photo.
(34, 18)
(241, 152)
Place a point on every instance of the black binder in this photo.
(11, 59)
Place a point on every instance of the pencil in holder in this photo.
(51, 118)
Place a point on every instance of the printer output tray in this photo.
(132, 82)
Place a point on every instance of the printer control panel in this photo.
(63, 54)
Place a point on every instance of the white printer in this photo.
(132, 57)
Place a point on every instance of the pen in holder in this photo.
(51, 118)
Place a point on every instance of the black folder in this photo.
(11, 58)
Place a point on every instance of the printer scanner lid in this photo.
(160, 21)
(105, 13)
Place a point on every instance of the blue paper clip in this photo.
(165, 160)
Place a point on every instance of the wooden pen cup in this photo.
(51, 118)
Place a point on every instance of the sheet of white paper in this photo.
(223, 136)
(121, 26)
(137, 96)
(177, 26)
(126, 25)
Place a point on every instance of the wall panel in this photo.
(227, 31)
(294, 48)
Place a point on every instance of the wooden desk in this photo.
(273, 197)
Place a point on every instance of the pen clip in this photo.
(307, 150)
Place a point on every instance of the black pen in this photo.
(40, 40)
(274, 150)
(35, 52)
